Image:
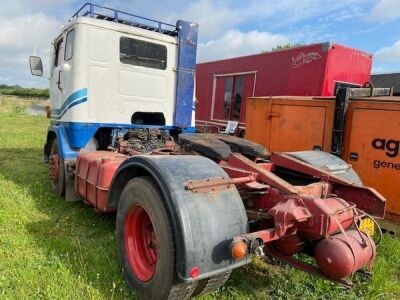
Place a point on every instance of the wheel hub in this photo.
(140, 243)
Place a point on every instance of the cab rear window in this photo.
(142, 53)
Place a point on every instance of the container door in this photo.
(296, 127)
(374, 152)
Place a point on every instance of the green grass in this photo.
(50, 249)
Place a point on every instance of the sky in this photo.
(226, 28)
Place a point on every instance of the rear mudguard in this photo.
(204, 223)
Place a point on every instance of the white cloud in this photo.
(391, 53)
(12, 8)
(18, 36)
(237, 43)
(385, 11)
(24, 23)
(24, 31)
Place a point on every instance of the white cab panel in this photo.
(115, 90)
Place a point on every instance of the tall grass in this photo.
(17, 105)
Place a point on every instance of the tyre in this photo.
(210, 284)
(145, 243)
(56, 170)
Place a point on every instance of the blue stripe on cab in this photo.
(75, 98)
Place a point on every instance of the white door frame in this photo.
(215, 77)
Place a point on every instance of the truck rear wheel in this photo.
(210, 284)
(56, 170)
(145, 243)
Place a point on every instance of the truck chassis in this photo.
(190, 212)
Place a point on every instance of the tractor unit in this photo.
(189, 207)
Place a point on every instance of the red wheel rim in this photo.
(140, 243)
(54, 168)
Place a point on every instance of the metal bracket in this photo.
(216, 184)
(208, 185)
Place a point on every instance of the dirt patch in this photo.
(36, 110)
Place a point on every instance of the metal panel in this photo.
(374, 153)
(343, 97)
(328, 162)
(346, 64)
(296, 127)
(187, 39)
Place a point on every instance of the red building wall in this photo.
(304, 71)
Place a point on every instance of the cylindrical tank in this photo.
(341, 255)
(289, 245)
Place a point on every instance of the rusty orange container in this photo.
(372, 146)
(290, 123)
(371, 135)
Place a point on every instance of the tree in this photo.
(285, 46)
(20, 91)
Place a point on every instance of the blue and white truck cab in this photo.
(110, 69)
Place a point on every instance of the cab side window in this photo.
(69, 45)
(59, 52)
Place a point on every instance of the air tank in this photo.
(340, 255)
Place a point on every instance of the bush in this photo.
(16, 90)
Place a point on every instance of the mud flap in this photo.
(70, 194)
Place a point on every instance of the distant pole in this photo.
(34, 50)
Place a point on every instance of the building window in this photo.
(238, 96)
(144, 54)
(233, 97)
(69, 45)
(228, 97)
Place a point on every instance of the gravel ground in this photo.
(36, 110)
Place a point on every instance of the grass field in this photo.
(50, 249)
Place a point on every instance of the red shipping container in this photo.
(314, 70)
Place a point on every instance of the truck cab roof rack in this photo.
(109, 14)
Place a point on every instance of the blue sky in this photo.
(227, 28)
